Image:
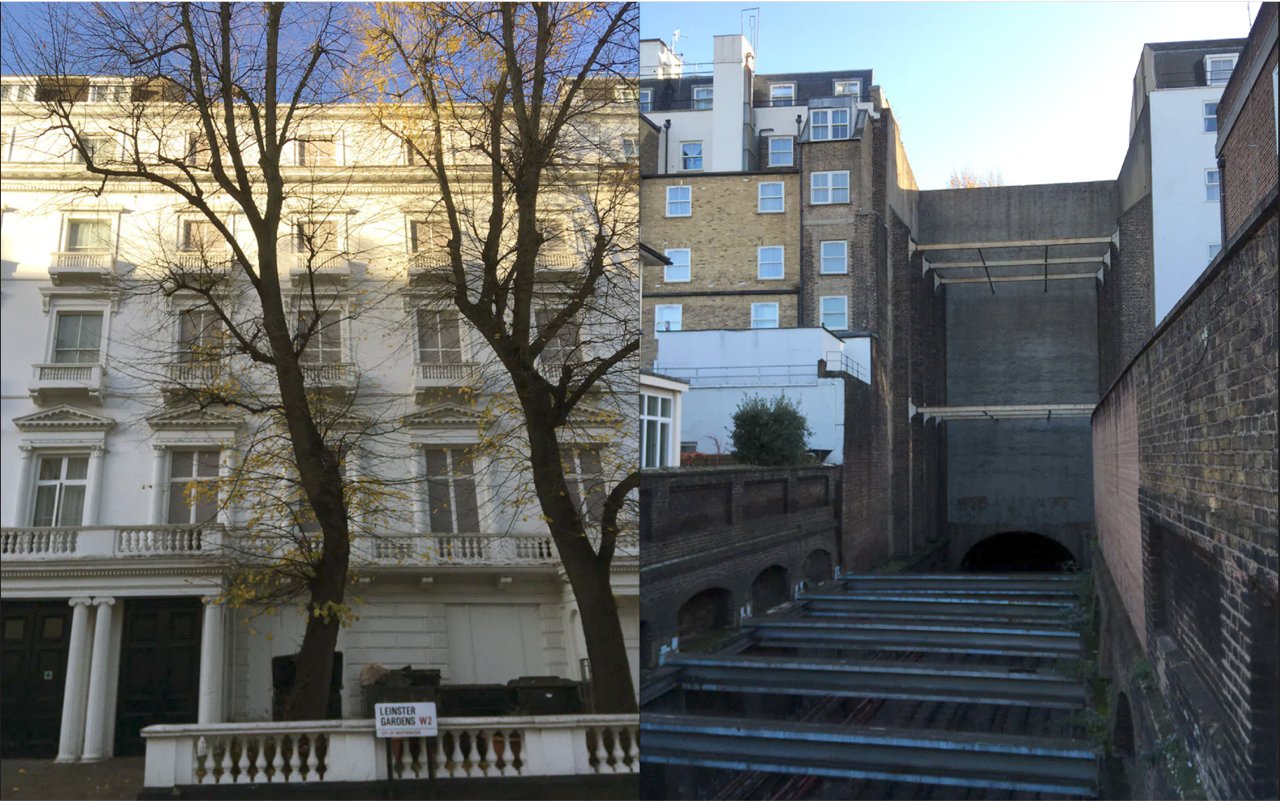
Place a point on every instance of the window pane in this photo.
(77, 468)
(179, 509)
(207, 464)
(206, 505)
(72, 511)
(50, 468)
(650, 443)
(180, 464)
(46, 502)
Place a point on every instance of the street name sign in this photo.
(408, 719)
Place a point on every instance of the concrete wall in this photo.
(1017, 212)
(1184, 222)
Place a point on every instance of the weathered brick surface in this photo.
(1205, 394)
(1115, 499)
(650, 141)
(1248, 156)
(722, 234)
(722, 527)
(1126, 298)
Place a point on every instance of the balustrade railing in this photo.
(462, 549)
(38, 542)
(86, 373)
(193, 373)
(329, 374)
(445, 373)
(347, 751)
(83, 259)
(94, 542)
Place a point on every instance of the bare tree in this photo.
(968, 179)
(522, 116)
(214, 104)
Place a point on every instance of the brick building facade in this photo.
(1186, 474)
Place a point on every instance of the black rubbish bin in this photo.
(405, 685)
(474, 700)
(546, 695)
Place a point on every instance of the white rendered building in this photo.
(1173, 117)
(106, 625)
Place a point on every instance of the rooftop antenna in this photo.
(675, 37)
(750, 26)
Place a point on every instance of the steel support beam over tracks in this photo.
(958, 759)
(889, 680)
(806, 632)
(936, 608)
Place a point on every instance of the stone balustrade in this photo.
(348, 751)
(46, 544)
(460, 549)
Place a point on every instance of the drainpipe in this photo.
(800, 167)
(666, 144)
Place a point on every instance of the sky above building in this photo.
(1037, 91)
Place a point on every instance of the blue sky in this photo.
(1039, 91)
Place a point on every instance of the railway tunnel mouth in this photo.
(1018, 552)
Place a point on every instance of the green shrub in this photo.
(770, 431)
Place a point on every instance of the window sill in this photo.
(834, 272)
(776, 211)
(777, 278)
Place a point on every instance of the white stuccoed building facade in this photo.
(106, 624)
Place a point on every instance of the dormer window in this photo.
(17, 92)
(853, 88)
(646, 100)
(703, 97)
(827, 124)
(108, 93)
(782, 94)
(1217, 69)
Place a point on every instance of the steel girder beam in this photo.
(957, 759)
(896, 680)
(952, 585)
(801, 632)
(946, 607)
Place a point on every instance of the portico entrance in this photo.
(159, 667)
(36, 636)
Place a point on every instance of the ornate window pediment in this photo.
(63, 418)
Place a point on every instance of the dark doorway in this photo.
(1017, 551)
(159, 667)
(1122, 737)
(36, 636)
(769, 589)
(817, 567)
(709, 610)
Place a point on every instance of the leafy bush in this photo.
(769, 431)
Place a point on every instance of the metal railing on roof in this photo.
(688, 69)
(755, 375)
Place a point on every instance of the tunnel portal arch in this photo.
(1018, 551)
(817, 567)
(708, 611)
(770, 588)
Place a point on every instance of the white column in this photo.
(226, 468)
(93, 486)
(159, 483)
(418, 465)
(95, 730)
(211, 658)
(73, 694)
(26, 472)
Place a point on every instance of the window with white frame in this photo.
(315, 236)
(668, 317)
(679, 201)
(61, 484)
(833, 257)
(200, 235)
(646, 100)
(88, 235)
(452, 504)
(316, 151)
(1210, 116)
(108, 93)
(703, 97)
(99, 148)
(680, 269)
(828, 123)
(193, 486)
(655, 431)
(584, 474)
(563, 347)
(439, 337)
(782, 151)
(1212, 190)
(630, 151)
(835, 312)
(197, 152)
(769, 197)
(77, 338)
(1217, 68)
(426, 236)
(19, 92)
(764, 315)
(200, 336)
(853, 88)
(769, 262)
(782, 94)
(325, 344)
(829, 187)
(690, 155)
